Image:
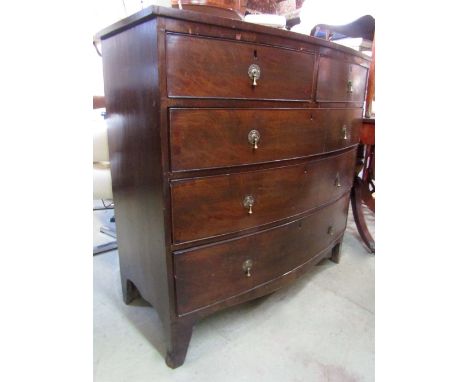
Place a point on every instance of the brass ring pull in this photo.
(254, 137)
(247, 267)
(254, 73)
(345, 132)
(331, 230)
(249, 202)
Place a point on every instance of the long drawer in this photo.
(215, 205)
(203, 67)
(210, 274)
(210, 138)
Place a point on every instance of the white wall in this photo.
(105, 13)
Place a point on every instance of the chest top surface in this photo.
(197, 17)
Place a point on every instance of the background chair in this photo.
(102, 181)
(363, 27)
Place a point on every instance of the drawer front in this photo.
(209, 138)
(345, 129)
(212, 68)
(340, 81)
(211, 206)
(213, 273)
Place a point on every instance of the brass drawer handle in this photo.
(254, 73)
(254, 137)
(344, 130)
(331, 230)
(337, 181)
(247, 267)
(350, 87)
(249, 202)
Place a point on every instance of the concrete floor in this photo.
(318, 329)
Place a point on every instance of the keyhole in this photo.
(255, 54)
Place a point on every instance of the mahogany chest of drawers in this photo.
(232, 151)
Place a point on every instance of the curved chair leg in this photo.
(110, 246)
(356, 203)
(101, 248)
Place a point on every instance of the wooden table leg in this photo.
(356, 203)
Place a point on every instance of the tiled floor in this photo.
(318, 329)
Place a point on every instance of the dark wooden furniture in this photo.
(232, 152)
(363, 191)
(99, 102)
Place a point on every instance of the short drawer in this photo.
(344, 129)
(213, 68)
(211, 206)
(210, 138)
(340, 81)
(206, 275)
